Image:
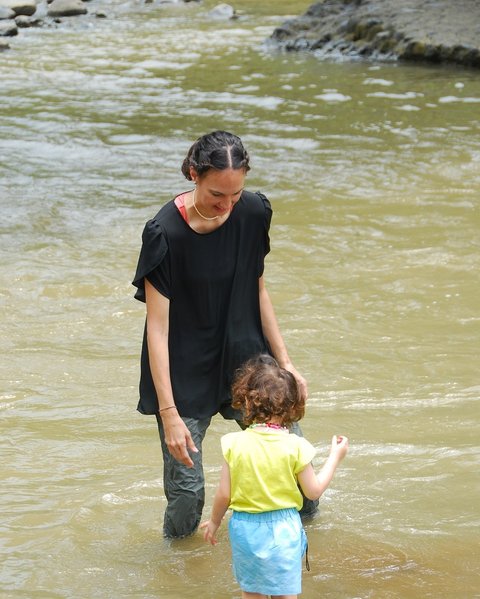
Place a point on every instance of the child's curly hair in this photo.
(262, 390)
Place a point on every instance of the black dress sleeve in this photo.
(151, 262)
(267, 221)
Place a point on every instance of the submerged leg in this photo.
(184, 487)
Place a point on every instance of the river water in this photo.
(373, 171)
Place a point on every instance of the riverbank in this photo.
(438, 31)
(16, 15)
(23, 14)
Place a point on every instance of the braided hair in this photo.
(217, 150)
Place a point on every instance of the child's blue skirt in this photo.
(267, 551)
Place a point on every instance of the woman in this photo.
(200, 272)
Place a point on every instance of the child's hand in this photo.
(339, 446)
(210, 532)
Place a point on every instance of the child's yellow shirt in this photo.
(263, 465)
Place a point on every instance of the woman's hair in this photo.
(218, 150)
(262, 390)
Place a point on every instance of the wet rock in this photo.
(4, 45)
(222, 11)
(23, 22)
(66, 8)
(20, 7)
(8, 28)
(6, 13)
(415, 30)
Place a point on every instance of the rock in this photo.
(6, 13)
(415, 30)
(222, 11)
(20, 7)
(66, 8)
(8, 29)
(4, 46)
(24, 22)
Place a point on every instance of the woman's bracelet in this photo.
(167, 408)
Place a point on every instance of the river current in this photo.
(373, 171)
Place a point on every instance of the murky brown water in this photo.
(374, 175)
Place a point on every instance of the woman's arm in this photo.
(177, 435)
(221, 502)
(313, 485)
(272, 333)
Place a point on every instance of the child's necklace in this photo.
(277, 427)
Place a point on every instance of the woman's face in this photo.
(218, 191)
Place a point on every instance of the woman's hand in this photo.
(178, 438)
(301, 381)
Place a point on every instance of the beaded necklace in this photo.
(276, 427)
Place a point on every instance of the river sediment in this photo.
(437, 31)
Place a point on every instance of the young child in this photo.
(263, 467)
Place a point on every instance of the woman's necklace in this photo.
(277, 427)
(198, 211)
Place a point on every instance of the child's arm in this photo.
(221, 502)
(314, 485)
